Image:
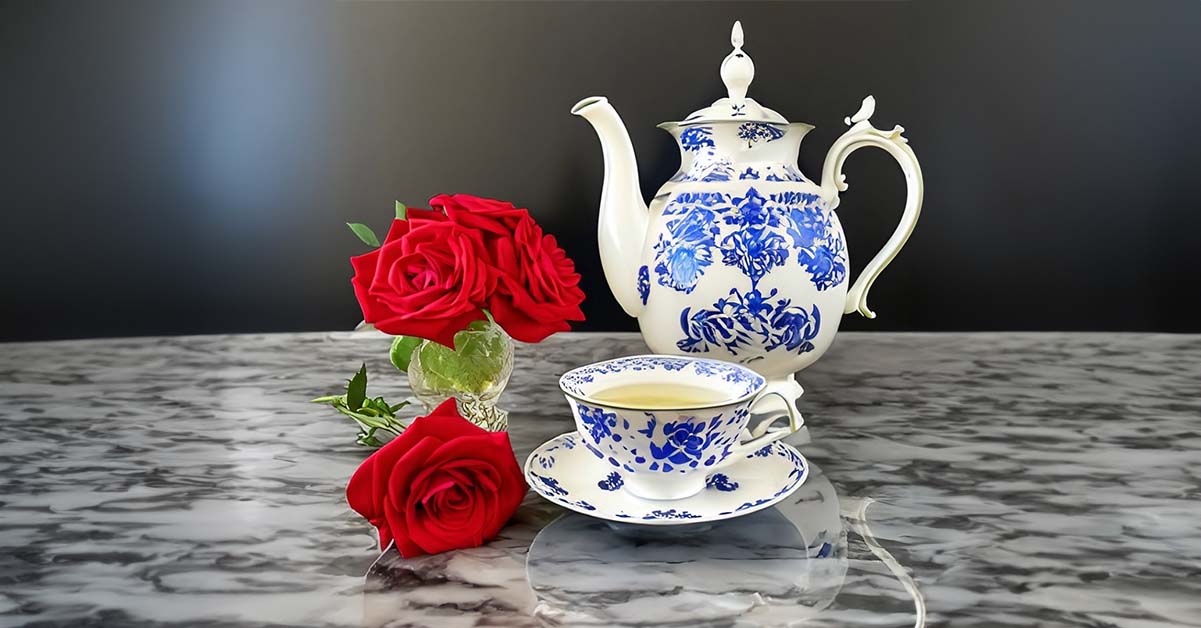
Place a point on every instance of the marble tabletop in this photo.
(958, 480)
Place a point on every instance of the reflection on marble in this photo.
(762, 568)
(1021, 479)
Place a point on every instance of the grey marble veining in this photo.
(1020, 479)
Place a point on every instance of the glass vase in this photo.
(475, 372)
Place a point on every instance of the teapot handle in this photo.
(861, 134)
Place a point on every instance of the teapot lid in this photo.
(737, 72)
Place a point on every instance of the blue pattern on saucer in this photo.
(572, 477)
(721, 482)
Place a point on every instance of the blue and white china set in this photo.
(738, 272)
(666, 466)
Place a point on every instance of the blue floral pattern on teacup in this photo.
(678, 441)
(600, 424)
(679, 444)
(684, 443)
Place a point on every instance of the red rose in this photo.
(495, 218)
(538, 290)
(430, 278)
(442, 484)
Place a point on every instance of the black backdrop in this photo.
(186, 167)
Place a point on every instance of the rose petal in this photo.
(397, 522)
(368, 485)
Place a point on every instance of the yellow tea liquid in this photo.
(660, 396)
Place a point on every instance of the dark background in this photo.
(187, 167)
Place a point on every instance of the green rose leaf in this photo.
(401, 210)
(369, 413)
(364, 232)
(366, 420)
(356, 390)
(368, 439)
(402, 351)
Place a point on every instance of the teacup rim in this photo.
(585, 399)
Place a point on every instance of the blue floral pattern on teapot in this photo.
(753, 233)
(739, 256)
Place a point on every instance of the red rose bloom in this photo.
(494, 218)
(436, 272)
(443, 484)
(430, 278)
(538, 290)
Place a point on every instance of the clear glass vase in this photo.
(475, 372)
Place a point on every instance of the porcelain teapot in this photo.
(740, 256)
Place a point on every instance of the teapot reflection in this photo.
(773, 567)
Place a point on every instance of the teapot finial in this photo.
(737, 70)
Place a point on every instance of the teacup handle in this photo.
(762, 434)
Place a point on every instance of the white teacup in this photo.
(667, 453)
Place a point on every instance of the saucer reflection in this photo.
(773, 567)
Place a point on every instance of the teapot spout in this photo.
(624, 217)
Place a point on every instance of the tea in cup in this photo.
(668, 421)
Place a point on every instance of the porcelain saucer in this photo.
(563, 471)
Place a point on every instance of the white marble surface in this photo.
(1021, 479)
